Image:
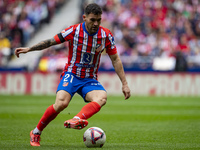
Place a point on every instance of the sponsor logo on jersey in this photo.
(87, 57)
(84, 65)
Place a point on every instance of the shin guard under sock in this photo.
(47, 117)
(89, 110)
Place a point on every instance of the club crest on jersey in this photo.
(65, 84)
(98, 47)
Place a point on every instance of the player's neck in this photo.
(86, 30)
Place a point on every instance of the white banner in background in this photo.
(155, 84)
(140, 83)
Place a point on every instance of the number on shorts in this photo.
(68, 76)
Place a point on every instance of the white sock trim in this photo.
(37, 131)
(76, 117)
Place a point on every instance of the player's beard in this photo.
(93, 29)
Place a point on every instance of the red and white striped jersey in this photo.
(85, 49)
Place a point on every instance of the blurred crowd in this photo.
(154, 28)
(143, 29)
(20, 20)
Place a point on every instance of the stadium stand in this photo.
(61, 17)
(161, 35)
(145, 30)
(20, 20)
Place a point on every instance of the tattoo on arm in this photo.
(44, 44)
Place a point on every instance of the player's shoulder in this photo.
(76, 25)
(72, 27)
(106, 30)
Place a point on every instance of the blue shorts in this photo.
(72, 84)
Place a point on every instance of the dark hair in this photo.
(93, 8)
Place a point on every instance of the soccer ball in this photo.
(94, 137)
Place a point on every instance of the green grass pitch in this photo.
(140, 123)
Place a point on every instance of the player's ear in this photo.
(84, 17)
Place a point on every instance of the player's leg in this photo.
(97, 99)
(76, 123)
(62, 101)
(94, 93)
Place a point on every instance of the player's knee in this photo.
(101, 101)
(63, 105)
(62, 100)
(60, 104)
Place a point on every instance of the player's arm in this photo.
(117, 64)
(40, 46)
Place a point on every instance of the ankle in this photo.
(37, 131)
(76, 117)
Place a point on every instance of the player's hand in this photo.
(21, 50)
(126, 90)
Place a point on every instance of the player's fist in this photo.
(21, 50)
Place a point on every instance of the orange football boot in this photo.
(34, 139)
(76, 123)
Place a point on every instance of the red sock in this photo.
(47, 117)
(89, 110)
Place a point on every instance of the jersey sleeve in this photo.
(64, 35)
(110, 44)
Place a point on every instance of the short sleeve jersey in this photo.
(85, 49)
